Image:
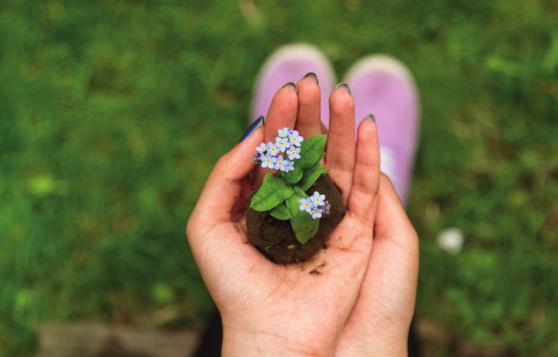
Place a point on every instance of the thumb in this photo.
(224, 185)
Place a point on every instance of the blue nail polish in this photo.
(256, 124)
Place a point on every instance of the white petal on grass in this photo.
(451, 240)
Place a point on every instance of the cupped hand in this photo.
(298, 309)
(379, 322)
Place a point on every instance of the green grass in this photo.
(113, 113)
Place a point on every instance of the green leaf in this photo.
(281, 212)
(311, 151)
(311, 175)
(272, 192)
(293, 202)
(300, 192)
(304, 227)
(292, 177)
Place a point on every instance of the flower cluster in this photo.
(280, 155)
(316, 205)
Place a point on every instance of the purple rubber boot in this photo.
(289, 64)
(385, 88)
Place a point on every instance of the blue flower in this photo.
(293, 153)
(327, 208)
(282, 144)
(316, 213)
(290, 165)
(295, 138)
(317, 199)
(272, 149)
(305, 205)
(284, 132)
(281, 164)
(315, 205)
(262, 148)
(268, 161)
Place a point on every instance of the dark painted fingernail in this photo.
(256, 124)
(343, 85)
(290, 84)
(371, 117)
(313, 76)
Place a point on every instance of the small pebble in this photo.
(291, 246)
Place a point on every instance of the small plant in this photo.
(284, 193)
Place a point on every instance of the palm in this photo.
(249, 285)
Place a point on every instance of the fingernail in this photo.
(313, 76)
(371, 117)
(290, 84)
(343, 85)
(256, 124)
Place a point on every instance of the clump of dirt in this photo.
(276, 239)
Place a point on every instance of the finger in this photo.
(226, 182)
(340, 150)
(366, 176)
(396, 242)
(282, 113)
(392, 273)
(387, 294)
(391, 221)
(308, 121)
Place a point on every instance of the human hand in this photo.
(299, 308)
(379, 322)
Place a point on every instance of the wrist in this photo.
(256, 343)
(378, 347)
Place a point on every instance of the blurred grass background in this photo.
(113, 113)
